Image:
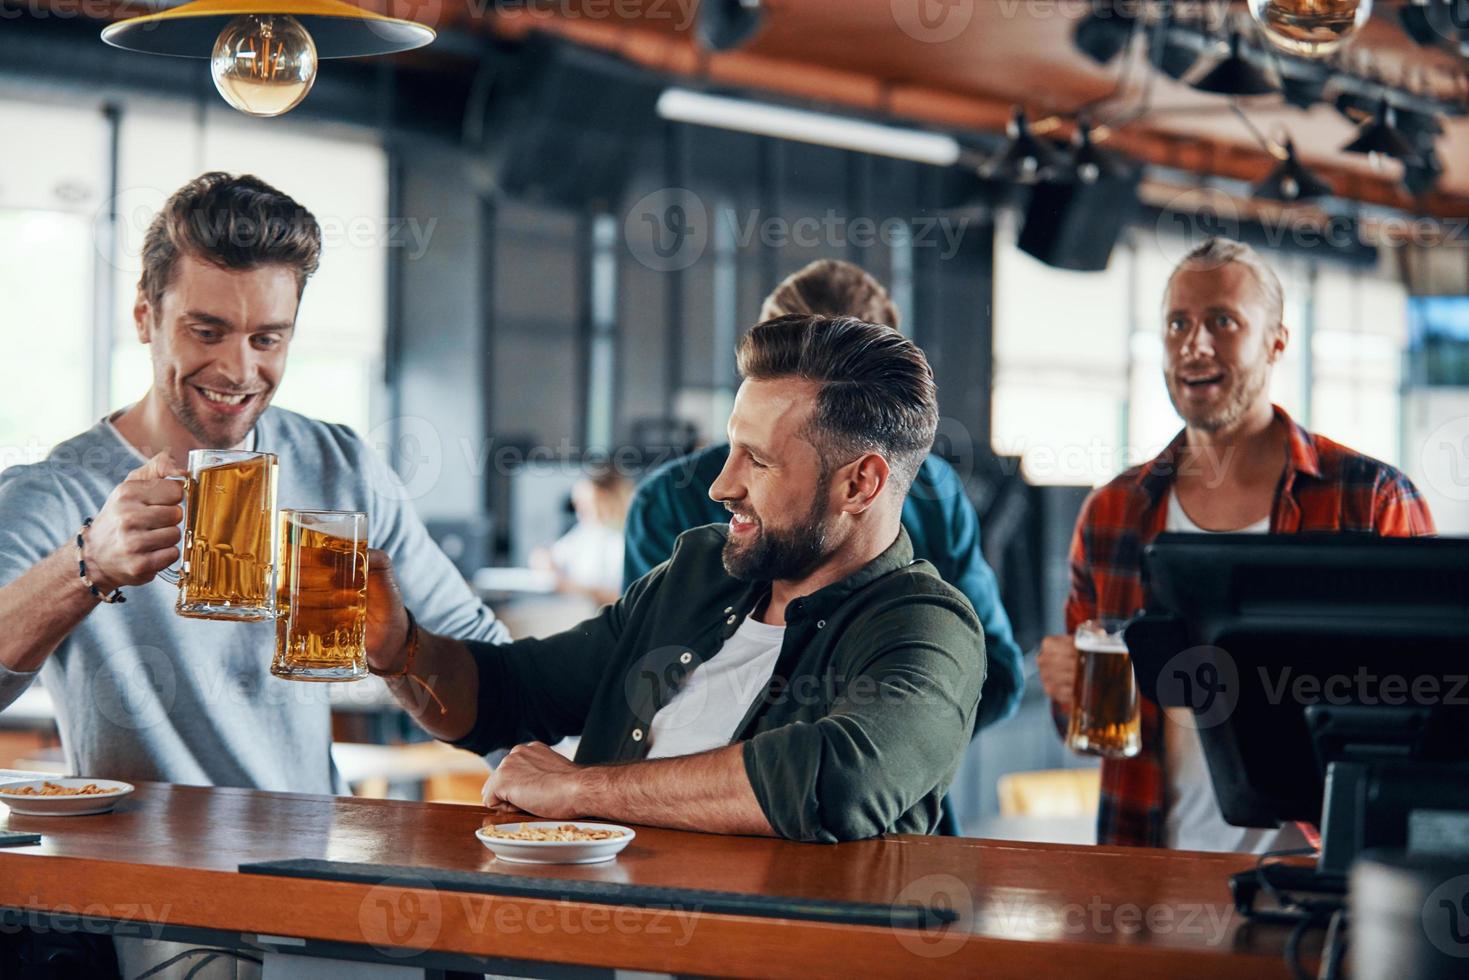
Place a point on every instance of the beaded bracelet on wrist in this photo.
(108, 597)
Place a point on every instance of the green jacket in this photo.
(860, 731)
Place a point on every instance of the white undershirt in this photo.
(705, 712)
(1193, 821)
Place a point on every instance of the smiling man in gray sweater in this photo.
(140, 692)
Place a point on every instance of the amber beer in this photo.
(228, 549)
(1105, 717)
(321, 628)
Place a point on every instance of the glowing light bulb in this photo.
(1310, 28)
(264, 64)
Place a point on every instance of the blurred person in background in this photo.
(587, 560)
(1240, 465)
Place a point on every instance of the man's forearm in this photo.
(446, 668)
(40, 608)
(707, 792)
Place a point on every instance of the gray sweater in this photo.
(143, 693)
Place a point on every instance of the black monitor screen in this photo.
(1249, 630)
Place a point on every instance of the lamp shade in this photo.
(1381, 137)
(1235, 75)
(1291, 181)
(339, 29)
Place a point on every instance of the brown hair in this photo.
(233, 222)
(877, 390)
(832, 288)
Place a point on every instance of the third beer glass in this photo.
(321, 628)
(228, 550)
(1105, 717)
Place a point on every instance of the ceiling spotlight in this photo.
(1428, 22)
(1104, 33)
(1090, 162)
(1169, 55)
(1310, 28)
(1235, 74)
(1026, 159)
(1305, 90)
(1420, 177)
(725, 25)
(1379, 138)
(1291, 181)
(1413, 123)
(1355, 108)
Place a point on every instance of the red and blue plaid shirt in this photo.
(1325, 487)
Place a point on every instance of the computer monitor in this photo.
(1318, 667)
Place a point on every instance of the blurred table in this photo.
(1031, 909)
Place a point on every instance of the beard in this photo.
(1225, 413)
(212, 433)
(786, 554)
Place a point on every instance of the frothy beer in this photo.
(1105, 714)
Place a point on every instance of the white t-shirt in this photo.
(1193, 821)
(704, 713)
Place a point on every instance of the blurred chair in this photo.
(1050, 794)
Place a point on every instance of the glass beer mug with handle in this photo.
(1105, 712)
(321, 626)
(228, 564)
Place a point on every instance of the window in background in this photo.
(334, 367)
(1357, 361)
(1061, 365)
(48, 262)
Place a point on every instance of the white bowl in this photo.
(63, 806)
(555, 851)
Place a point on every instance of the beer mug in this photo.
(321, 625)
(227, 563)
(1105, 712)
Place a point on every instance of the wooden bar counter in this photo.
(166, 860)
